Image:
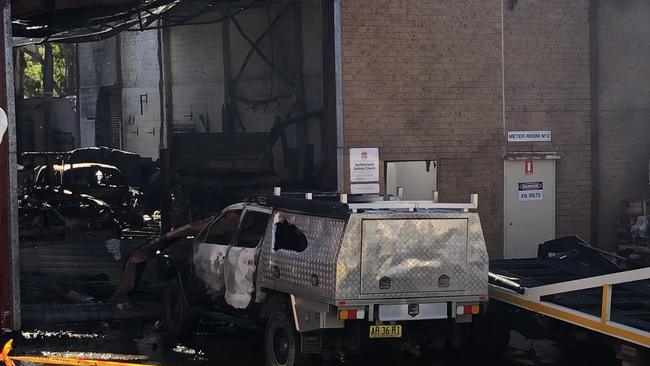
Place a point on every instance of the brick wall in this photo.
(548, 88)
(624, 99)
(422, 80)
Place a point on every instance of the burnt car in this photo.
(64, 215)
(332, 279)
(100, 181)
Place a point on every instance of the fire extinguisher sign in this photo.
(528, 167)
(533, 191)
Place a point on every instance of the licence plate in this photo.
(385, 331)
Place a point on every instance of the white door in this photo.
(529, 206)
(210, 251)
(418, 178)
(241, 259)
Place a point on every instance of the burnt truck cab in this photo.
(332, 278)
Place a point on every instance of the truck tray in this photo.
(575, 282)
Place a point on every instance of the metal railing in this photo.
(398, 204)
(532, 299)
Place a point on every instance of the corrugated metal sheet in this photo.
(116, 117)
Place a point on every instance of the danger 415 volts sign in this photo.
(533, 191)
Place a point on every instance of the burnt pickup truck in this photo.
(332, 278)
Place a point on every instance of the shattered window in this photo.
(223, 229)
(253, 229)
(289, 237)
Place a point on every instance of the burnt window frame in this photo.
(280, 219)
(241, 228)
(202, 238)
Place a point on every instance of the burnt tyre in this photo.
(282, 342)
(178, 320)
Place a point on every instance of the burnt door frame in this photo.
(232, 273)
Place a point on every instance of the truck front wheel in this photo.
(282, 342)
(178, 320)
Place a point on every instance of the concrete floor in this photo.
(219, 344)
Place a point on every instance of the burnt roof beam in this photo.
(22, 8)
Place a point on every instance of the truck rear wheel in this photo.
(282, 342)
(178, 320)
(486, 338)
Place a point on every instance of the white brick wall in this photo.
(139, 51)
(97, 63)
(140, 77)
(197, 75)
(97, 68)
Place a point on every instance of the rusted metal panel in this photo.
(201, 153)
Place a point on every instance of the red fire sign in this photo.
(528, 167)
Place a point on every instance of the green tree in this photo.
(64, 69)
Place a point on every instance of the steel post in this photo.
(9, 276)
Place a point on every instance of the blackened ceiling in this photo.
(89, 20)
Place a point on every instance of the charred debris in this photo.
(81, 213)
(88, 191)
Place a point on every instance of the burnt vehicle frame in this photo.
(53, 179)
(298, 266)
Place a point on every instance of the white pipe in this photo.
(400, 192)
(474, 199)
